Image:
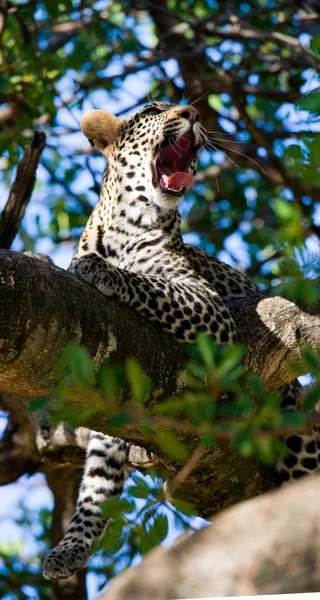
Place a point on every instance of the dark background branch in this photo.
(21, 190)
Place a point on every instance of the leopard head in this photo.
(155, 149)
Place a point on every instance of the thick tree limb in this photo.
(21, 190)
(38, 318)
(268, 545)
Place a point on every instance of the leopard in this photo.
(132, 250)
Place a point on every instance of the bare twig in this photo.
(171, 485)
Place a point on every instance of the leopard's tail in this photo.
(103, 477)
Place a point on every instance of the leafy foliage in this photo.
(250, 415)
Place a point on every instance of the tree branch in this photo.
(18, 450)
(38, 318)
(30, 443)
(21, 190)
(263, 546)
(244, 32)
(3, 16)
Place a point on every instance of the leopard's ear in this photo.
(101, 128)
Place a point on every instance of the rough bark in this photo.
(267, 545)
(38, 318)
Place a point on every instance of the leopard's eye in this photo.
(151, 110)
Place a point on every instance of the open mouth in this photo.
(172, 162)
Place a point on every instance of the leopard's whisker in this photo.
(241, 154)
(202, 97)
(218, 132)
(184, 95)
(212, 147)
(215, 139)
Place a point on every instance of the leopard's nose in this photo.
(190, 113)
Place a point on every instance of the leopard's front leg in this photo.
(183, 307)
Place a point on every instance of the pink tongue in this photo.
(178, 180)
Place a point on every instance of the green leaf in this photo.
(169, 407)
(170, 444)
(215, 102)
(159, 529)
(293, 419)
(120, 420)
(243, 441)
(286, 211)
(141, 489)
(206, 348)
(208, 441)
(139, 383)
(265, 450)
(79, 362)
(311, 359)
(40, 404)
(74, 416)
(114, 507)
(209, 407)
(107, 385)
(312, 397)
(183, 507)
(256, 384)
(14, 548)
(229, 369)
(310, 102)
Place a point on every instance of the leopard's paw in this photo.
(87, 266)
(95, 270)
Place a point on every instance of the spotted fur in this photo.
(132, 250)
